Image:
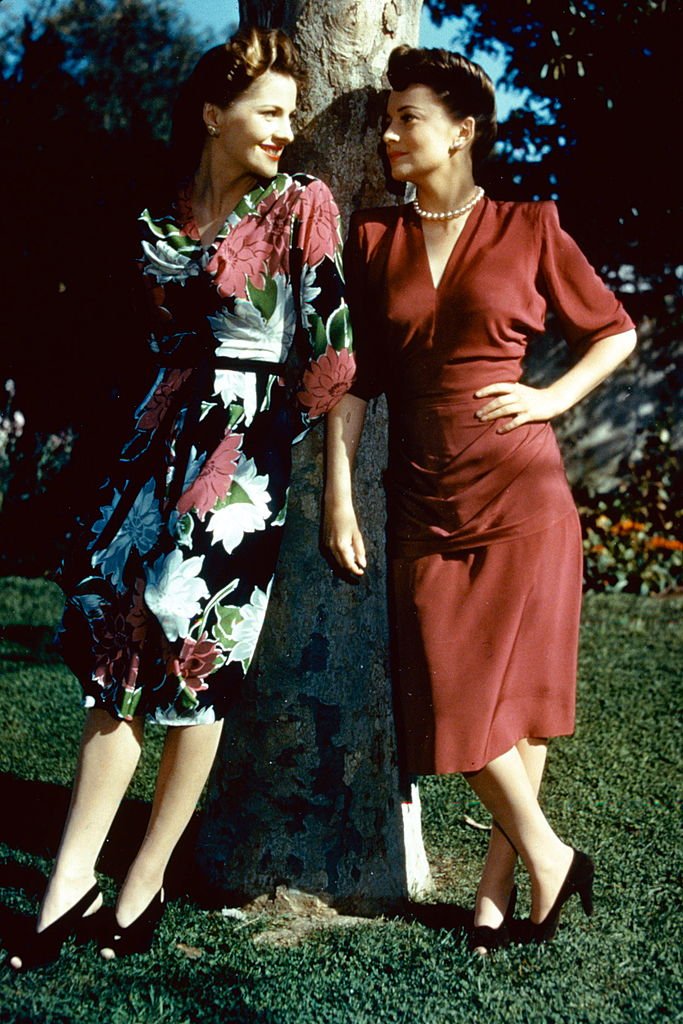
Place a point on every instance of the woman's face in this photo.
(255, 128)
(418, 133)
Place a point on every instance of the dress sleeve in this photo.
(585, 306)
(325, 325)
(368, 382)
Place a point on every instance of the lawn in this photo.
(614, 790)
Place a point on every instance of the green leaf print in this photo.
(235, 496)
(235, 414)
(264, 299)
(131, 699)
(184, 529)
(169, 232)
(338, 329)
(187, 699)
(318, 335)
(227, 616)
(282, 514)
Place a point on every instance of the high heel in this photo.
(579, 880)
(36, 949)
(137, 936)
(483, 936)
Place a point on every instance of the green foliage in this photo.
(128, 56)
(611, 789)
(634, 534)
(86, 94)
(598, 74)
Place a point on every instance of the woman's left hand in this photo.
(518, 401)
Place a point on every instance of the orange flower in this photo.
(627, 526)
(665, 542)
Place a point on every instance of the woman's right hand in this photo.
(342, 537)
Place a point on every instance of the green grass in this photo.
(613, 789)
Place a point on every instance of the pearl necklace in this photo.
(450, 214)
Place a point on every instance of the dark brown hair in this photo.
(220, 76)
(463, 87)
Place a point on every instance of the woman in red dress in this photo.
(484, 541)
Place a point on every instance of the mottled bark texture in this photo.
(305, 793)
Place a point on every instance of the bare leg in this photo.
(493, 893)
(186, 761)
(505, 788)
(109, 754)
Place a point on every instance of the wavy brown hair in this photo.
(220, 76)
(463, 87)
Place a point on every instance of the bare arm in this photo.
(341, 534)
(534, 405)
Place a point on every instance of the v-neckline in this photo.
(246, 205)
(473, 216)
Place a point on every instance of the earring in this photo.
(454, 147)
(212, 130)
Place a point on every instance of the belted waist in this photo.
(180, 362)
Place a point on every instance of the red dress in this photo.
(483, 536)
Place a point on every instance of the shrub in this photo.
(632, 535)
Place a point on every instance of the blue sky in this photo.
(219, 16)
(216, 15)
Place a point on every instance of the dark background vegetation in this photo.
(86, 91)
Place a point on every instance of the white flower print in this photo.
(235, 386)
(309, 292)
(194, 464)
(246, 334)
(174, 590)
(171, 716)
(167, 264)
(247, 628)
(245, 509)
(139, 529)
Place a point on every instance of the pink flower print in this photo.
(159, 401)
(320, 222)
(241, 256)
(138, 616)
(326, 380)
(214, 478)
(277, 226)
(110, 645)
(197, 659)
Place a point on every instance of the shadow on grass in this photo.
(29, 643)
(32, 820)
(449, 917)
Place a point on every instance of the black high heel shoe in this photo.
(483, 936)
(137, 936)
(579, 880)
(35, 949)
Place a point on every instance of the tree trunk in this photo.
(305, 792)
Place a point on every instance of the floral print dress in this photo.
(168, 591)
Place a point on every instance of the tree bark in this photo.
(306, 792)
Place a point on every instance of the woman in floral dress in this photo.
(167, 595)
